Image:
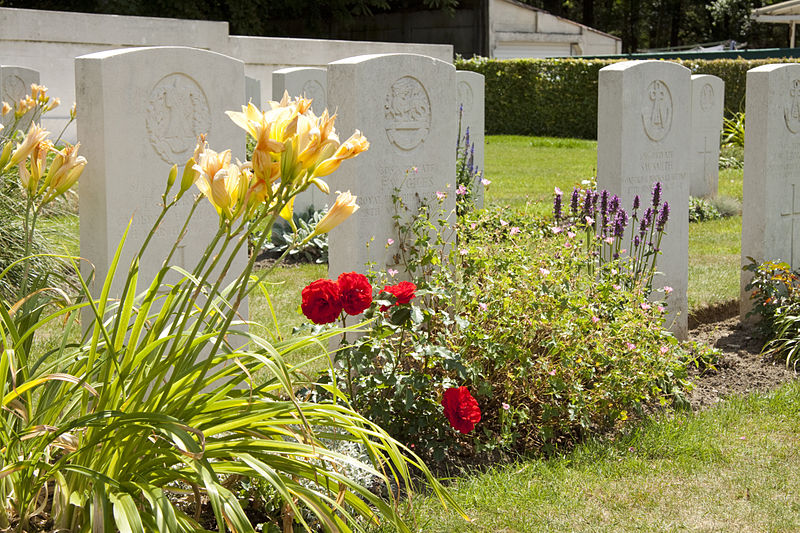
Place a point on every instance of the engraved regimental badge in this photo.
(314, 90)
(657, 110)
(791, 109)
(177, 113)
(408, 113)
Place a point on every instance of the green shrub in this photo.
(558, 97)
(552, 341)
(776, 303)
(701, 210)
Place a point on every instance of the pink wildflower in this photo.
(645, 306)
(485, 182)
(609, 240)
(514, 230)
(589, 220)
(558, 191)
(663, 350)
(616, 287)
(667, 289)
(571, 234)
(552, 372)
(463, 251)
(556, 229)
(595, 319)
(392, 272)
(473, 225)
(503, 222)
(660, 308)
(630, 346)
(483, 306)
(390, 241)
(461, 190)
(440, 195)
(544, 271)
(506, 406)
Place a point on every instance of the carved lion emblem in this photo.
(408, 113)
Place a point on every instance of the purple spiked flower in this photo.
(636, 202)
(576, 196)
(613, 205)
(663, 216)
(647, 219)
(656, 194)
(636, 241)
(466, 137)
(557, 206)
(620, 221)
(587, 205)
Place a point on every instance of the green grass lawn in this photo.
(733, 468)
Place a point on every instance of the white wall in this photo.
(520, 31)
(49, 41)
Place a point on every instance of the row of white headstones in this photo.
(140, 111)
(651, 124)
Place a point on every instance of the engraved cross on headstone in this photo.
(707, 152)
(793, 212)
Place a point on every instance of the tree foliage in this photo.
(642, 24)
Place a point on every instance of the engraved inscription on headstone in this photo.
(791, 113)
(657, 110)
(177, 113)
(407, 113)
(465, 96)
(15, 84)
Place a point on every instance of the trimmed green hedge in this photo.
(558, 97)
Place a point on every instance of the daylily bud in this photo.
(344, 206)
(6, 109)
(73, 112)
(173, 175)
(6, 154)
(288, 210)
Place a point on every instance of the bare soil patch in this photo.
(741, 369)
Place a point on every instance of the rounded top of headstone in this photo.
(148, 50)
(665, 66)
(291, 70)
(388, 57)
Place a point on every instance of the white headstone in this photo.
(141, 110)
(15, 84)
(708, 103)
(470, 86)
(405, 105)
(771, 203)
(642, 138)
(308, 82)
(252, 91)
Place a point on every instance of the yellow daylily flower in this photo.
(353, 146)
(6, 109)
(222, 182)
(35, 135)
(65, 170)
(344, 206)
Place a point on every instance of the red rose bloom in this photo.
(321, 301)
(461, 409)
(403, 291)
(355, 292)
